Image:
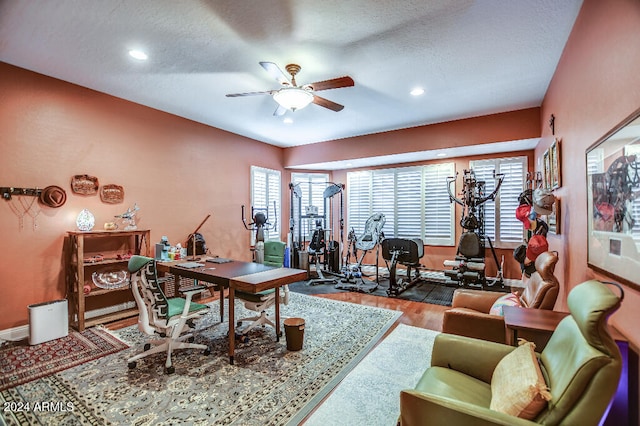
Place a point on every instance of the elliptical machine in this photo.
(260, 217)
(468, 268)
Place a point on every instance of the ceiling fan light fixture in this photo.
(293, 98)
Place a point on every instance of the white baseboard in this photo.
(22, 332)
(15, 334)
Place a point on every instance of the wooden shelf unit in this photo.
(81, 247)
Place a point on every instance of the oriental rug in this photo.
(21, 363)
(267, 385)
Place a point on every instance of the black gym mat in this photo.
(422, 291)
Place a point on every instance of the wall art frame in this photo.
(613, 202)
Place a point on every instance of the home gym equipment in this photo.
(468, 267)
(352, 274)
(322, 246)
(406, 252)
(260, 217)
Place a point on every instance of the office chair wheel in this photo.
(170, 370)
(207, 352)
(132, 365)
(146, 346)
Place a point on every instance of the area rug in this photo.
(370, 394)
(267, 385)
(21, 363)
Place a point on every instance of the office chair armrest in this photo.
(192, 289)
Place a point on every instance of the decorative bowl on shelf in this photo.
(111, 278)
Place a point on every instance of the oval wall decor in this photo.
(112, 194)
(84, 184)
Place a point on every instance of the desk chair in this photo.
(158, 316)
(260, 302)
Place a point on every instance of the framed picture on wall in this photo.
(613, 202)
(554, 160)
(546, 169)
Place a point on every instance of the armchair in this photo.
(470, 311)
(581, 366)
(158, 316)
(259, 302)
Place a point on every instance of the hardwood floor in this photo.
(416, 314)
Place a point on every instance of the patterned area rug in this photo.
(370, 394)
(268, 385)
(21, 363)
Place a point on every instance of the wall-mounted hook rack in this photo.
(7, 192)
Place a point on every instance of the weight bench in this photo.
(407, 252)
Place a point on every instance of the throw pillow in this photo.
(517, 384)
(509, 299)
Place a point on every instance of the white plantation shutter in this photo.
(500, 220)
(400, 195)
(438, 210)
(409, 215)
(265, 190)
(383, 198)
(511, 229)
(358, 200)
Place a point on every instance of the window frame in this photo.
(273, 234)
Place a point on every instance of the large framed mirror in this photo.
(613, 202)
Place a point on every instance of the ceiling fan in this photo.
(292, 96)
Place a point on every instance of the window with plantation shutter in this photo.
(358, 200)
(383, 198)
(500, 221)
(414, 201)
(438, 210)
(409, 214)
(265, 196)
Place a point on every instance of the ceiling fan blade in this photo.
(327, 103)
(275, 72)
(334, 83)
(235, 95)
(279, 111)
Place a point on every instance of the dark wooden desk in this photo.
(249, 277)
(217, 274)
(255, 283)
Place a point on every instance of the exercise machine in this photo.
(321, 247)
(260, 223)
(468, 267)
(406, 252)
(352, 276)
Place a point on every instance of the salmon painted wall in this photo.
(176, 170)
(596, 85)
(508, 126)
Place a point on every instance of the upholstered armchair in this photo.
(470, 311)
(572, 382)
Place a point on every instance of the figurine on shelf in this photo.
(129, 218)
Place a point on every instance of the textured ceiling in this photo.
(471, 57)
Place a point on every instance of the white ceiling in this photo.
(472, 57)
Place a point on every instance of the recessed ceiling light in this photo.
(138, 54)
(417, 91)
(287, 120)
(441, 154)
